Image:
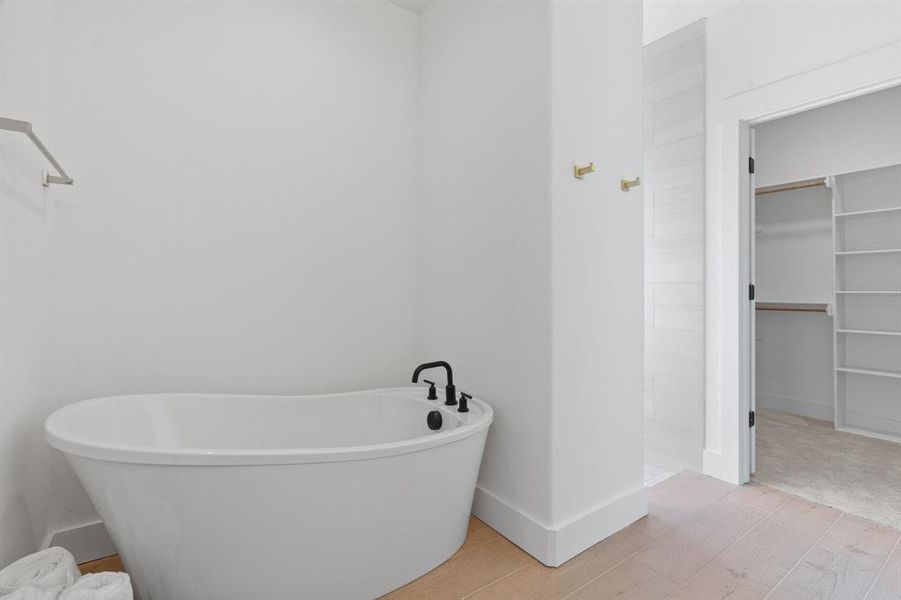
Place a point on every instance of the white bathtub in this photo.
(222, 497)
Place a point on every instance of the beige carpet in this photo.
(808, 458)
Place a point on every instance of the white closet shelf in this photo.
(869, 332)
(865, 252)
(882, 292)
(869, 377)
(875, 211)
(874, 372)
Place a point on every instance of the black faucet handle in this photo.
(464, 402)
(433, 393)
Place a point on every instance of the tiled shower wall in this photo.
(674, 142)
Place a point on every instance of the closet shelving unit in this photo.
(867, 341)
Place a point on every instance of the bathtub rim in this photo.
(56, 437)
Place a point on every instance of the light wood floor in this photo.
(703, 539)
(110, 563)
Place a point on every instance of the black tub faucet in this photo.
(450, 392)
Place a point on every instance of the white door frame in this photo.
(751, 335)
(727, 443)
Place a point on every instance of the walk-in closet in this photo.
(827, 326)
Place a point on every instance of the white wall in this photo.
(245, 210)
(767, 59)
(485, 232)
(26, 229)
(854, 135)
(598, 258)
(794, 246)
(757, 42)
(794, 363)
(532, 280)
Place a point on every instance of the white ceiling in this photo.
(414, 5)
(663, 17)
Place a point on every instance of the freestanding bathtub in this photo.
(223, 497)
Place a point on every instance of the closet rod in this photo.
(813, 310)
(25, 127)
(795, 185)
(793, 307)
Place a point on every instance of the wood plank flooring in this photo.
(703, 539)
(110, 563)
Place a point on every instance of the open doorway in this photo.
(825, 332)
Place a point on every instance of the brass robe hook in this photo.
(626, 184)
(581, 172)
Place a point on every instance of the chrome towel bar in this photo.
(25, 127)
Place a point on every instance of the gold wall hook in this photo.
(580, 172)
(625, 184)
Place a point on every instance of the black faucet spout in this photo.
(433, 365)
(449, 390)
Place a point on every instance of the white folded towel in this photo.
(100, 586)
(29, 592)
(45, 569)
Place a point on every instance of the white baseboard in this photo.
(553, 546)
(797, 406)
(522, 529)
(602, 521)
(86, 542)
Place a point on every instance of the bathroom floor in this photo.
(110, 563)
(702, 539)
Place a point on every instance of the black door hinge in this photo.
(752, 418)
(751, 292)
(750, 164)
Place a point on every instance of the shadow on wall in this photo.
(15, 529)
(25, 255)
(20, 176)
